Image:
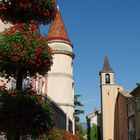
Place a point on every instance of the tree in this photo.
(27, 11)
(77, 103)
(80, 132)
(23, 50)
(94, 132)
(78, 127)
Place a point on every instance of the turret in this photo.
(60, 78)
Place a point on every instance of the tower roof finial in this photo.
(106, 66)
(57, 3)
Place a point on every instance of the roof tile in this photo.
(57, 29)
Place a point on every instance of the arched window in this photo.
(107, 78)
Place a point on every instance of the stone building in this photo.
(109, 93)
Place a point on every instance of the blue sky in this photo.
(98, 28)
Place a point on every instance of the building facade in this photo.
(136, 95)
(131, 118)
(121, 123)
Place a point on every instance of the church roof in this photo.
(126, 93)
(106, 66)
(136, 91)
(57, 29)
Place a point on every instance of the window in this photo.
(107, 78)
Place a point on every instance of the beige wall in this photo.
(60, 78)
(109, 94)
(4, 26)
(4, 81)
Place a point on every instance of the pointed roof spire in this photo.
(57, 29)
(106, 66)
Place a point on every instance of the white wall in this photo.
(60, 78)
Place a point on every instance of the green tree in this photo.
(79, 130)
(77, 104)
(94, 132)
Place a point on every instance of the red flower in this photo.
(27, 33)
(41, 39)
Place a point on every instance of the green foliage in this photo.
(80, 132)
(77, 103)
(94, 132)
(24, 112)
(22, 47)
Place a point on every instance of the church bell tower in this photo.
(107, 74)
(109, 92)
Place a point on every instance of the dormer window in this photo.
(107, 78)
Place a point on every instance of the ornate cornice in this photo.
(71, 54)
(58, 40)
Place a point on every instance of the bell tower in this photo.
(60, 84)
(107, 74)
(109, 92)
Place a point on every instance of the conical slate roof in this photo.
(57, 29)
(106, 66)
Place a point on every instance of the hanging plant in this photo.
(24, 113)
(22, 47)
(26, 11)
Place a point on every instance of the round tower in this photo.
(60, 78)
